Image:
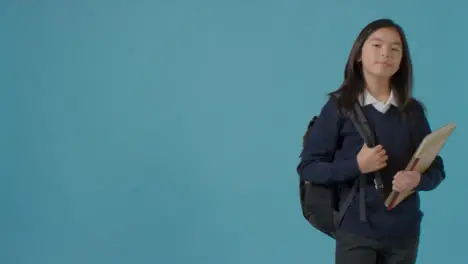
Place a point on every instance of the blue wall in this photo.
(168, 131)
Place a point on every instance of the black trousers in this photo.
(353, 249)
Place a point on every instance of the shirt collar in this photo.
(368, 99)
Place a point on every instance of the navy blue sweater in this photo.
(330, 157)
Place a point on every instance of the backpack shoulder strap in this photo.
(362, 126)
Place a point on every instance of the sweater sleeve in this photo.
(317, 164)
(435, 174)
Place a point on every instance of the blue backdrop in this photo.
(169, 131)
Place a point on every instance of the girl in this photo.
(378, 75)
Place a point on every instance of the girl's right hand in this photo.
(371, 159)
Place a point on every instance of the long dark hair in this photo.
(353, 84)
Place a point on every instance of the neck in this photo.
(379, 87)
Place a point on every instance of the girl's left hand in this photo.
(405, 181)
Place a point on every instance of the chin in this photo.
(387, 73)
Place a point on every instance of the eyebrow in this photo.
(379, 39)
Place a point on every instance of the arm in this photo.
(435, 174)
(317, 164)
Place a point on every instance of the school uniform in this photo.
(330, 157)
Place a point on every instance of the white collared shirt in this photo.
(369, 99)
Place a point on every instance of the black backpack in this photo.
(320, 204)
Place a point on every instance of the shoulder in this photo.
(418, 118)
(416, 108)
(326, 123)
(416, 112)
(331, 107)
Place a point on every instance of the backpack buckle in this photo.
(378, 186)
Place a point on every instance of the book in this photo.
(422, 159)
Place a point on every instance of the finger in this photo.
(400, 175)
(396, 187)
(404, 184)
(400, 181)
(402, 178)
(378, 148)
(396, 181)
(397, 176)
(382, 152)
(381, 161)
(381, 165)
(399, 185)
(405, 176)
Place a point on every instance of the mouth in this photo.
(386, 64)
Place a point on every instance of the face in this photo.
(382, 53)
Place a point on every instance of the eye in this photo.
(377, 45)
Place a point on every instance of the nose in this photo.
(385, 53)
